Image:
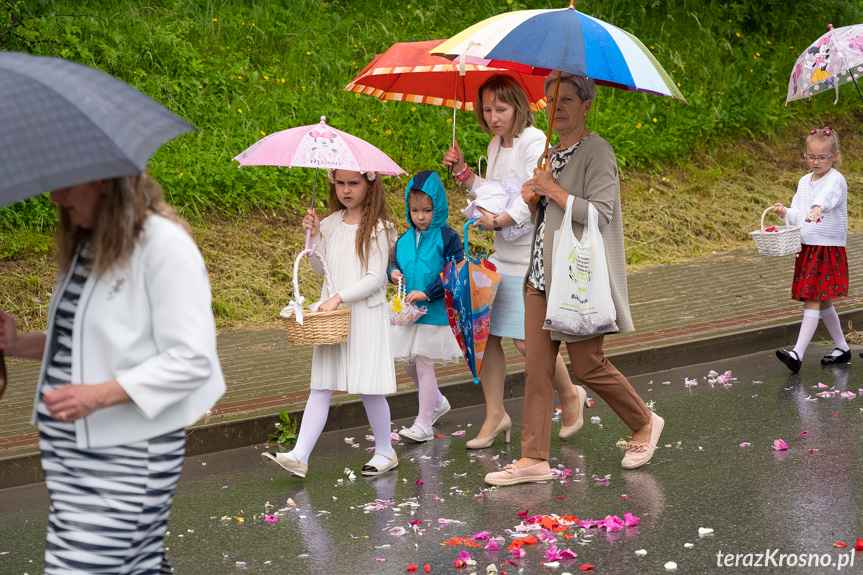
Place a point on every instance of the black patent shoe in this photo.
(790, 361)
(845, 357)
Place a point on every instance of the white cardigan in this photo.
(149, 325)
(512, 258)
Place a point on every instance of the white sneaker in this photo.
(425, 434)
(440, 411)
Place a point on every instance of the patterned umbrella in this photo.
(835, 58)
(318, 146)
(470, 288)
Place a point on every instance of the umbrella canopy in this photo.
(470, 287)
(539, 41)
(406, 72)
(835, 58)
(65, 124)
(318, 146)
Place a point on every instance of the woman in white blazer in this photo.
(502, 109)
(128, 361)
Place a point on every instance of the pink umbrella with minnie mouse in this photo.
(318, 146)
(835, 58)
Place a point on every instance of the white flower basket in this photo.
(783, 241)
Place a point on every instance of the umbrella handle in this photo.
(545, 162)
(466, 226)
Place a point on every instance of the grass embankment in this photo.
(696, 176)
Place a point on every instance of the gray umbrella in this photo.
(62, 124)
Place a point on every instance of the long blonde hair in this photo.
(374, 210)
(119, 220)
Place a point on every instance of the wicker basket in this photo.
(318, 328)
(785, 240)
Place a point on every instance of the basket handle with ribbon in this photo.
(295, 306)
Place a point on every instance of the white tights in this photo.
(315, 418)
(430, 396)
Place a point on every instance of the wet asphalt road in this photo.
(757, 500)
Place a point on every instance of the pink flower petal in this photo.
(780, 445)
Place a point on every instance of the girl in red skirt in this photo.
(821, 268)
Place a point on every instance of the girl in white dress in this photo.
(419, 258)
(355, 240)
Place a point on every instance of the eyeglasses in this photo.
(811, 159)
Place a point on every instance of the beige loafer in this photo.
(637, 452)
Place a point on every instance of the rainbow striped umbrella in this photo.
(539, 41)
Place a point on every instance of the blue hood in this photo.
(429, 182)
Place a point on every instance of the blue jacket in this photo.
(422, 262)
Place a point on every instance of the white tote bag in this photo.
(579, 298)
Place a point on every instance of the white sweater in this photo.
(512, 258)
(831, 193)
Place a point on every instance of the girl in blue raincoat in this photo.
(419, 257)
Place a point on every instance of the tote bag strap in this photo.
(592, 223)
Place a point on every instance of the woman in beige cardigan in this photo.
(582, 165)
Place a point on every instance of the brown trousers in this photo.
(589, 366)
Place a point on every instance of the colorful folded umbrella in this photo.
(834, 59)
(470, 287)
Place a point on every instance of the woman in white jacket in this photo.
(128, 361)
(502, 109)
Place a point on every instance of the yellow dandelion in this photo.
(790, 47)
(357, 95)
(729, 21)
(638, 126)
(266, 77)
(654, 120)
(283, 80)
(215, 19)
(239, 77)
(409, 6)
(651, 47)
(239, 110)
(449, 120)
(674, 71)
(263, 133)
(738, 34)
(750, 70)
(413, 108)
(388, 132)
(769, 42)
(308, 53)
(303, 88)
(755, 57)
(758, 53)
(253, 23)
(181, 175)
(355, 45)
(374, 120)
(678, 84)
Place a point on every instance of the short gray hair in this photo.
(584, 86)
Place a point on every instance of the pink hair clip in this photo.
(827, 130)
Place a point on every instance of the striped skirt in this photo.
(109, 507)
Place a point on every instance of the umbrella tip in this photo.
(323, 119)
(830, 26)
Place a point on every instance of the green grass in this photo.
(238, 70)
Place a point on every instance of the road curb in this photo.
(26, 469)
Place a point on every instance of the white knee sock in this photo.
(314, 419)
(834, 326)
(428, 392)
(378, 412)
(807, 330)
